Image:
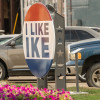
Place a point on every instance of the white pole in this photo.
(65, 11)
(60, 7)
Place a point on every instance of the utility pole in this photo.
(1, 15)
(65, 12)
(70, 12)
(60, 7)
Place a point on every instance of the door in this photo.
(16, 59)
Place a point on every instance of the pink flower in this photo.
(22, 92)
(34, 99)
(68, 92)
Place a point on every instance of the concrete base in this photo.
(73, 93)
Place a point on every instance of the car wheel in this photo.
(2, 72)
(93, 76)
(82, 78)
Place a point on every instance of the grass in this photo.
(17, 84)
(24, 84)
(93, 94)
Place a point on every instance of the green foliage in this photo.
(93, 94)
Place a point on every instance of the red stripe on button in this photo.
(38, 12)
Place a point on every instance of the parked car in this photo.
(88, 60)
(77, 33)
(97, 29)
(12, 59)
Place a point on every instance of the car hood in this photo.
(84, 44)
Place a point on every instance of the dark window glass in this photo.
(4, 40)
(83, 35)
(67, 35)
(74, 36)
(19, 41)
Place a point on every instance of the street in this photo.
(70, 81)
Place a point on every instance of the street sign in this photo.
(38, 39)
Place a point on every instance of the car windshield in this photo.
(4, 40)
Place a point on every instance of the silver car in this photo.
(77, 33)
(12, 61)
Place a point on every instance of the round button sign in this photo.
(38, 39)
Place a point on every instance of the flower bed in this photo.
(11, 92)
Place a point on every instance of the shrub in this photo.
(11, 92)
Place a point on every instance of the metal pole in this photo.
(65, 9)
(71, 12)
(60, 69)
(59, 7)
(42, 82)
(22, 14)
(77, 77)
